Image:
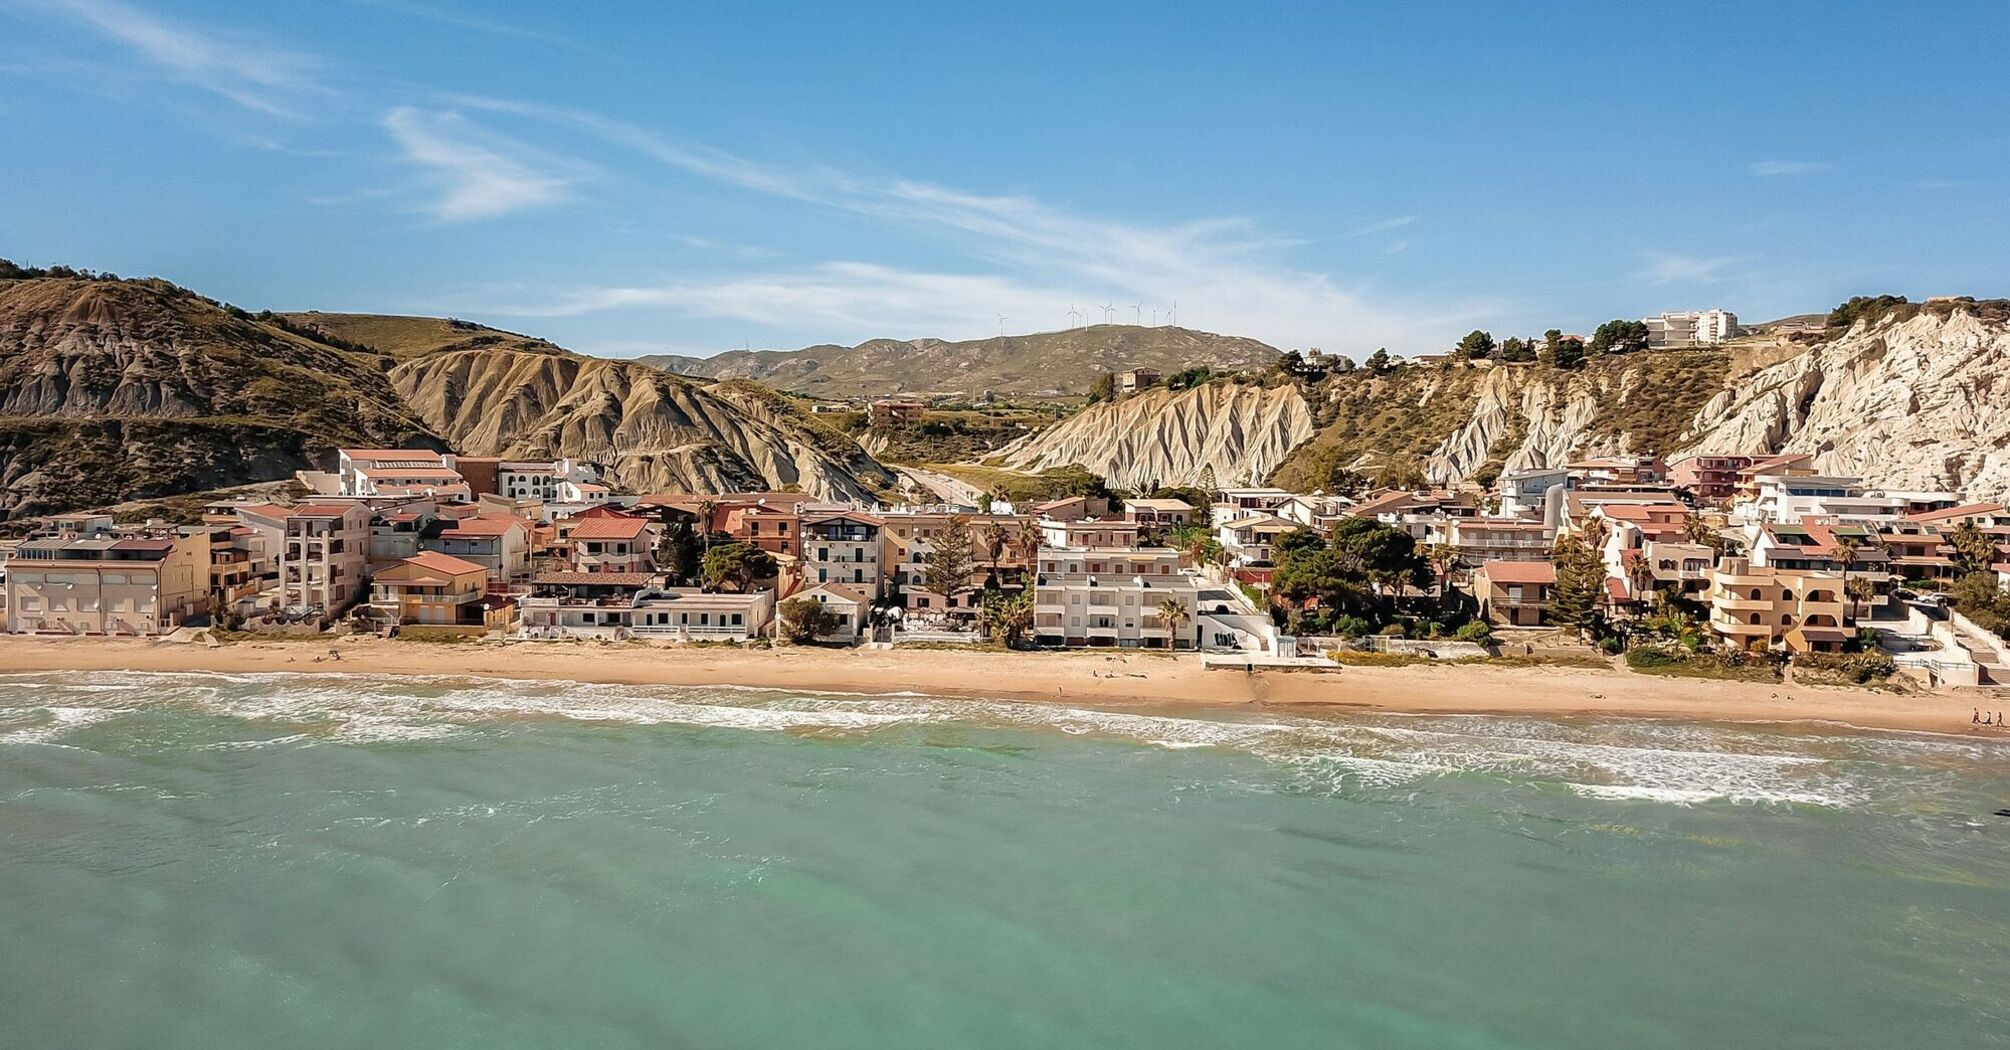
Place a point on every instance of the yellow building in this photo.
(432, 588)
(86, 576)
(1761, 607)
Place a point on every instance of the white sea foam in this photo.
(1661, 761)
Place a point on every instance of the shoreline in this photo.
(1103, 679)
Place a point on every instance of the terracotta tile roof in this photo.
(321, 510)
(1953, 513)
(391, 453)
(413, 473)
(609, 528)
(263, 510)
(447, 563)
(484, 525)
(1519, 571)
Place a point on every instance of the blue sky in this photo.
(635, 178)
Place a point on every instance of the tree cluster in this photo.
(1865, 308)
(1356, 575)
(1618, 337)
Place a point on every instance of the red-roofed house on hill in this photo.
(612, 545)
(1517, 593)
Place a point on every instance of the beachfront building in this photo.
(841, 546)
(612, 544)
(84, 576)
(1093, 597)
(851, 607)
(437, 590)
(1759, 607)
(674, 614)
(1111, 533)
(323, 556)
(1072, 508)
(997, 542)
(1515, 593)
(1678, 566)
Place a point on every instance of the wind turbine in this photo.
(1108, 309)
(1072, 314)
(1155, 317)
(1137, 313)
(1175, 314)
(1001, 325)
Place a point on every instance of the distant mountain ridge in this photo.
(1042, 363)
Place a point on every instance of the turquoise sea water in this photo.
(291, 861)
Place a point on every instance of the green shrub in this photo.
(1860, 668)
(1476, 631)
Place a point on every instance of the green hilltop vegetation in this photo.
(1042, 364)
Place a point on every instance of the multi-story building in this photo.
(1516, 593)
(1072, 508)
(323, 556)
(83, 575)
(1158, 513)
(1114, 533)
(841, 546)
(1481, 540)
(438, 590)
(1252, 539)
(1084, 596)
(1691, 328)
(612, 544)
(499, 543)
(888, 412)
(398, 472)
(997, 542)
(1757, 608)
(1708, 477)
(1318, 512)
(1526, 492)
(1682, 568)
(539, 479)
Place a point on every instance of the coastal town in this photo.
(1726, 557)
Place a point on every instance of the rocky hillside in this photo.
(1045, 363)
(113, 390)
(1914, 400)
(1168, 437)
(1455, 422)
(651, 430)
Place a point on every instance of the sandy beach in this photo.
(1099, 679)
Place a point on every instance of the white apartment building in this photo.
(681, 614)
(842, 547)
(1086, 596)
(1691, 328)
(1785, 499)
(397, 472)
(88, 577)
(540, 479)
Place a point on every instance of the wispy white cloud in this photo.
(490, 26)
(478, 174)
(1396, 247)
(1663, 268)
(1384, 225)
(1788, 167)
(247, 72)
(1023, 257)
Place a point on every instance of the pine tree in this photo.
(1580, 582)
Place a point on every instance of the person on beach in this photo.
(1976, 718)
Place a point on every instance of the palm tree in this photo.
(1640, 575)
(1859, 590)
(706, 508)
(1844, 553)
(1173, 612)
(994, 536)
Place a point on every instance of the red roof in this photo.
(485, 525)
(1519, 571)
(417, 473)
(321, 510)
(608, 528)
(1966, 510)
(447, 563)
(263, 510)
